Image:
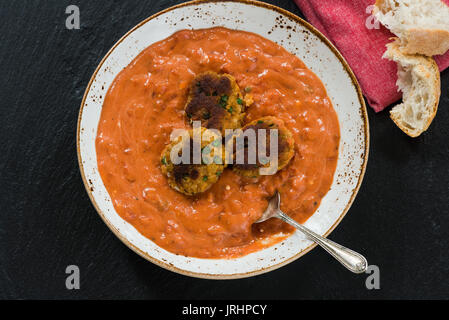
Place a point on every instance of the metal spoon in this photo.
(353, 261)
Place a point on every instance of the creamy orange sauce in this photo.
(146, 102)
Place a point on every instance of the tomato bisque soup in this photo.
(146, 103)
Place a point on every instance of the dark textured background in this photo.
(400, 219)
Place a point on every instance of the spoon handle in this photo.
(352, 260)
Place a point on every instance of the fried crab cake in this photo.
(216, 101)
(190, 178)
(285, 150)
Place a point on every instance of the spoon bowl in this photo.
(352, 260)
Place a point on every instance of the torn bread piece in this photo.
(421, 25)
(419, 81)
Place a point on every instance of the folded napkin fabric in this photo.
(361, 39)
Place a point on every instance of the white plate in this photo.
(301, 39)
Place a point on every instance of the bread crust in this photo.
(378, 6)
(426, 42)
(428, 67)
(417, 40)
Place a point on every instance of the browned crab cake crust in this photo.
(191, 179)
(286, 146)
(215, 100)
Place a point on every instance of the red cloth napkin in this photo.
(344, 23)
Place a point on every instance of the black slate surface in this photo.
(400, 219)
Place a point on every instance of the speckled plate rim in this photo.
(303, 252)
